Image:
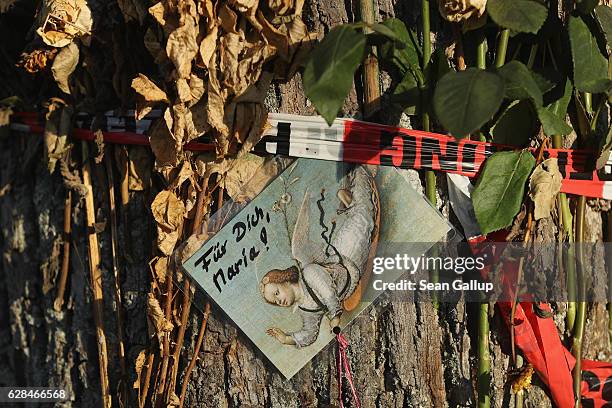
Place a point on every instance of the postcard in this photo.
(296, 261)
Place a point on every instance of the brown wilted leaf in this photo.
(166, 149)
(64, 64)
(168, 210)
(244, 5)
(139, 168)
(242, 171)
(72, 181)
(182, 48)
(36, 60)
(149, 95)
(57, 126)
(5, 115)
(158, 324)
(544, 185)
(208, 46)
(185, 173)
(166, 240)
(152, 44)
(99, 146)
(173, 401)
(138, 366)
(60, 21)
(159, 266)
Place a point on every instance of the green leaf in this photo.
(526, 16)
(553, 124)
(604, 150)
(543, 82)
(604, 18)
(590, 66)
(464, 101)
(586, 6)
(516, 125)
(407, 94)
(382, 32)
(329, 71)
(407, 57)
(520, 83)
(499, 191)
(559, 106)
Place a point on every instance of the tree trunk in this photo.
(402, 354)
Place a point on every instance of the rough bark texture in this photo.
(402, 354)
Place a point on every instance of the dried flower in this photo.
(461, 10)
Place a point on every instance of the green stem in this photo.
(609, 266)
(569, 256)
(581, 306)
(502, 47)
(430, 176)
(481, 63)
(532, 55)
(484, 359)
(588, 102)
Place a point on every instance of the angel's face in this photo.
(280, 294)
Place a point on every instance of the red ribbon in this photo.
(344, 370)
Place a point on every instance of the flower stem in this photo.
(502, 47)
(581, 304)
(569, 255)
(430, 176)
(484, 358)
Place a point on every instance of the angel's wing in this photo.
(303, 249)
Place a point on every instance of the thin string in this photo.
(344, 370)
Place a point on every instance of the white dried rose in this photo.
(461, 10)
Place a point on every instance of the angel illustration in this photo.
(329, 277)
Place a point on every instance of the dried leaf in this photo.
(138, 366)
(5, 115)
(228, 19)
(99, 139)
(208, 46)
(36, 60)
(196, 87)
(139, 168)
(149, 95)
(240, 174)
(182, 48)
(244, 5)
(166, 149)
(152, 44)
(158, 324)
(185, 173)
(166, 240)
(544, 185)
(60, 21)
(72, 181)
(173, 401)
(168, 210)
(57, 126)
(158, 12)
(64, 64)
(160, 268)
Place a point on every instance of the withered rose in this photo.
(461, 10)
